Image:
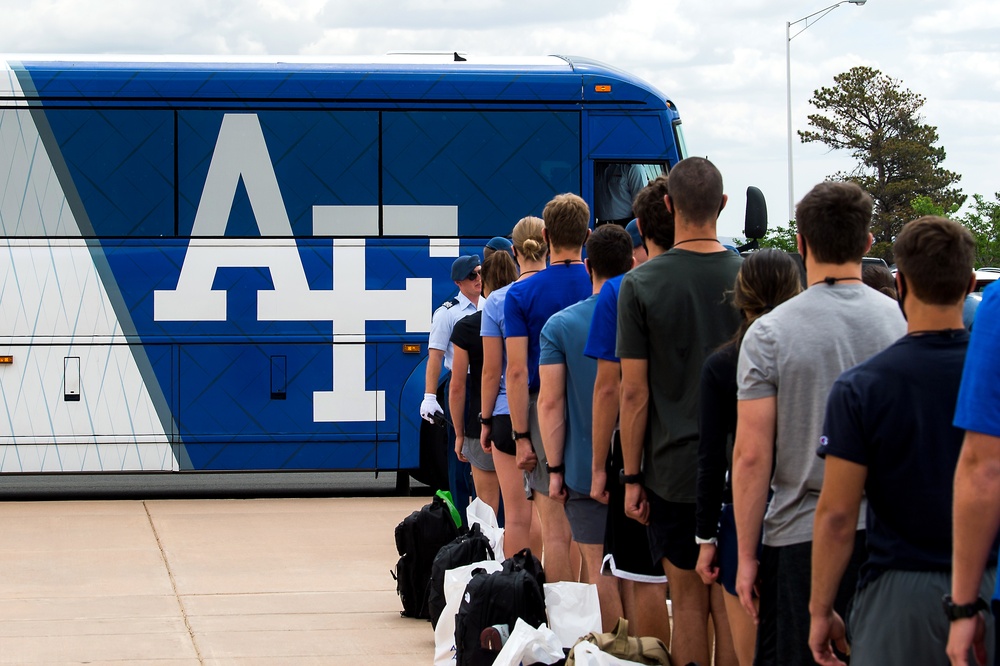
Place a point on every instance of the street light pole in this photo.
(788, 88)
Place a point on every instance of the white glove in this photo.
(429, 407)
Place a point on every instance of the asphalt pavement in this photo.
(205, 581)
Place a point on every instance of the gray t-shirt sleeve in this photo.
(757, 370)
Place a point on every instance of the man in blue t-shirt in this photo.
(527, 307)
(888, 436)
(977, 481)
(565, 399)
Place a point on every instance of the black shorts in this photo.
(671, 532)
(626, 545)
(502, 435)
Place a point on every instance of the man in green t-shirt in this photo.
(673, 311)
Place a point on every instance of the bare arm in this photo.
(835, 525)
(517, 398)
(976, 520)
(607, 389)
(456, 393)
(634, 415)
(753, 456)
(552, 421)
(435, 357)
(492, 370)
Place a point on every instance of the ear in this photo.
(897, 280)
(972, 284)
(668, 202)
(725, 200)
(868, 243)
(799, 244)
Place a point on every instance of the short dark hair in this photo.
(879, 278)
(936, 258)
(695, 188)
(609, 251)
(567, 220)
(655, 222)
(833, 220)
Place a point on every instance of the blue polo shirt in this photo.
(530, 303)
(603, 335)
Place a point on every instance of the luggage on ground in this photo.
(474, 546)
(419, 537)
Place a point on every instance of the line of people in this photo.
(782, 458)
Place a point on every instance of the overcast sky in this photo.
(723, 63)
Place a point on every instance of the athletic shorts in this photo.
(587, 517)
(472, 449)
(502, 434)
(626, 544)
(537, 480)
(671, 531)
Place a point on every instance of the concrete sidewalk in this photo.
(270, 581)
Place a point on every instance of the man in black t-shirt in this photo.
(888, 436)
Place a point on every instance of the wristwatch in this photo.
(624, 478)
(960, 612)
(522, 435)
(485, 420)
(555, 469)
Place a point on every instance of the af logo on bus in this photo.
(241, 152)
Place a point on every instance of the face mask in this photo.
(901, 293)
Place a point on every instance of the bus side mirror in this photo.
(755, 226)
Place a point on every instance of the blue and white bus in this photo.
(231, 265)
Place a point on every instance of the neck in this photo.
(922, 317)
(472, 297)
(693, 235)
(526, 266)
(817, 271)
(654, 250)
(598, 283)
(561, 254)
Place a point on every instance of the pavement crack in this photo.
(173, 583)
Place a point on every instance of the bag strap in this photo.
(621, 636)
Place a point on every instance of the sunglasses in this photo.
(474, 275)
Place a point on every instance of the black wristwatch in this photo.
(485, 420)
(624, 478)
(959, 612)
(522, 435)
(555, 469)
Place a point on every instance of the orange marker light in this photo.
(411, 349)
(603, 88)
(6, 360)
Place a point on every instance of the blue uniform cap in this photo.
(633, 229)
(463, 266)
(500, 244)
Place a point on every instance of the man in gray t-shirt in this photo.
(788, 362)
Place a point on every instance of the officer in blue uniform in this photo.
(465, 274)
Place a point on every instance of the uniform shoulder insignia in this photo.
(450, 303)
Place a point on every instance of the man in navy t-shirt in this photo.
(528, 305)
(888, 436)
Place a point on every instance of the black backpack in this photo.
(465, 549)
(419, 537)
(498, 598)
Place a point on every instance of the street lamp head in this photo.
(857, 2)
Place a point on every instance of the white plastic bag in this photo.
(574, 610)
(588, 654)
(482, 513)
(455, 582)
(527, 645)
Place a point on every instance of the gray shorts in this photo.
(536, 481)
(587, 517)
(897, 619)
(473, 452)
